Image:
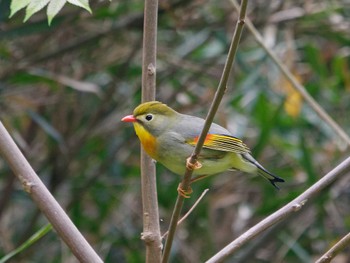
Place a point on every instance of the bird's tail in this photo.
(269, 176)
(273, 179)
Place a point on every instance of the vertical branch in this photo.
(44, 200)
(151, 229)
(185, 184)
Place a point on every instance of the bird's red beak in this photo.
(129, 118)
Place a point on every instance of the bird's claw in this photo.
(195, 166)
(184, 193)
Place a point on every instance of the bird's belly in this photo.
(212, 165)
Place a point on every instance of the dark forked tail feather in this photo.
(269, 176)
(263, 172)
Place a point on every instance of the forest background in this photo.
(65, 87)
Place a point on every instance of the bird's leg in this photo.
(183, 193)
(187, 193)
(195, 166)
(189, 165)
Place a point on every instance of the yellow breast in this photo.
(148, 141)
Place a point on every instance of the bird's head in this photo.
(154, 116)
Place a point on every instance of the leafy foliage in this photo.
(53, 7)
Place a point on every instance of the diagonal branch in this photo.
(44, 200)
(334, 250)
(185, 184)
(290, 208)
(297, 86)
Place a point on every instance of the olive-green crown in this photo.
(154, 107)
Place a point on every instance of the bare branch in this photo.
(185, 184)
(333, 251)
(297, 86)
(44, 200)
(282, 213)
(151, 228)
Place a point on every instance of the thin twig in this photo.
(334, 250)
(282, 213)
(297, 86)
(151, 228)
(185, 184)
(44, 200)
(189, 211)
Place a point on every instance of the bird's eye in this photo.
(149, 117)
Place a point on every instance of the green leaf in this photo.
(35, 6)
(82, 3)
(46, 126)
(53, 8)
(306, 160)
(31, 241)
(17, 5)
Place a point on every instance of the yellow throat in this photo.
(148, 141)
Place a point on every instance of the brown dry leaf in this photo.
(293, 100)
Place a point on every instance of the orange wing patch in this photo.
(222, 142)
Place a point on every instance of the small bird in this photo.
(169, 137)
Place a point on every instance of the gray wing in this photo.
(192, 126)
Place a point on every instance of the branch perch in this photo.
(282, 213)
(333, 251)
(185, 184)
(151, 228)
(32, 184)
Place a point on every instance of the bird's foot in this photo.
(195, 166)
(184, 193)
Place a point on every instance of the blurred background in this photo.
(64, 89)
